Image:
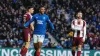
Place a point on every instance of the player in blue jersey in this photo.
(40, 20)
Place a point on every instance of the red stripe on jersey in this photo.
(28, 17)
(82, 28)
(83, 23)
(73, 22)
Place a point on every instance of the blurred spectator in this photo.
(61, 13)
(98, 44)
(93, 41)
(58, 46)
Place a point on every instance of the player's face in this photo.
(79, 15)
(42, 10)
(31, 10)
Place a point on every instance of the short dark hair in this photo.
(79, 11)
(29, 7)
(41, 7)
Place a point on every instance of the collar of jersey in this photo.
(40, 14)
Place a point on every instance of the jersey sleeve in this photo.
(50, 23)
(75, 27)
(25, 18)
(29, 22)
(84, 30)
(72, 24)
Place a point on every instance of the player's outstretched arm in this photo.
(50, 23)
(29, 22)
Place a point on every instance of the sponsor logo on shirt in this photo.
(44, 18)
(39, 22)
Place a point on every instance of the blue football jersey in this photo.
(40, 22)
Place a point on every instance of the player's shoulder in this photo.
(84, 21)
(46, 15)
(35, 14)
(26, 14)
(74, 20)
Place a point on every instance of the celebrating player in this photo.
(40, 20)
(27, 31)
(79, 27)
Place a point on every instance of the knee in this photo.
(79, 47)
(27, 44)
(35, 46)
(73, 48)
(40, 45)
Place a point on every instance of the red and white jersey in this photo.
(79, 27)
(27, 17)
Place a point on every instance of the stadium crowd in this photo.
(61, 13)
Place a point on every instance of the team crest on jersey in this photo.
(36, 17)
(39, 22)
(44, 18)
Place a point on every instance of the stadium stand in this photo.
(61, 13)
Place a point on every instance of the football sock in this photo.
(78, 53)
(73, 53)
(37, 53)
(23, 51)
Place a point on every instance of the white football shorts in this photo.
(38, 38)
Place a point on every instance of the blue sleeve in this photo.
(50, 23)
(28, 23)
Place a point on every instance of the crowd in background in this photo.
(61, 13)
